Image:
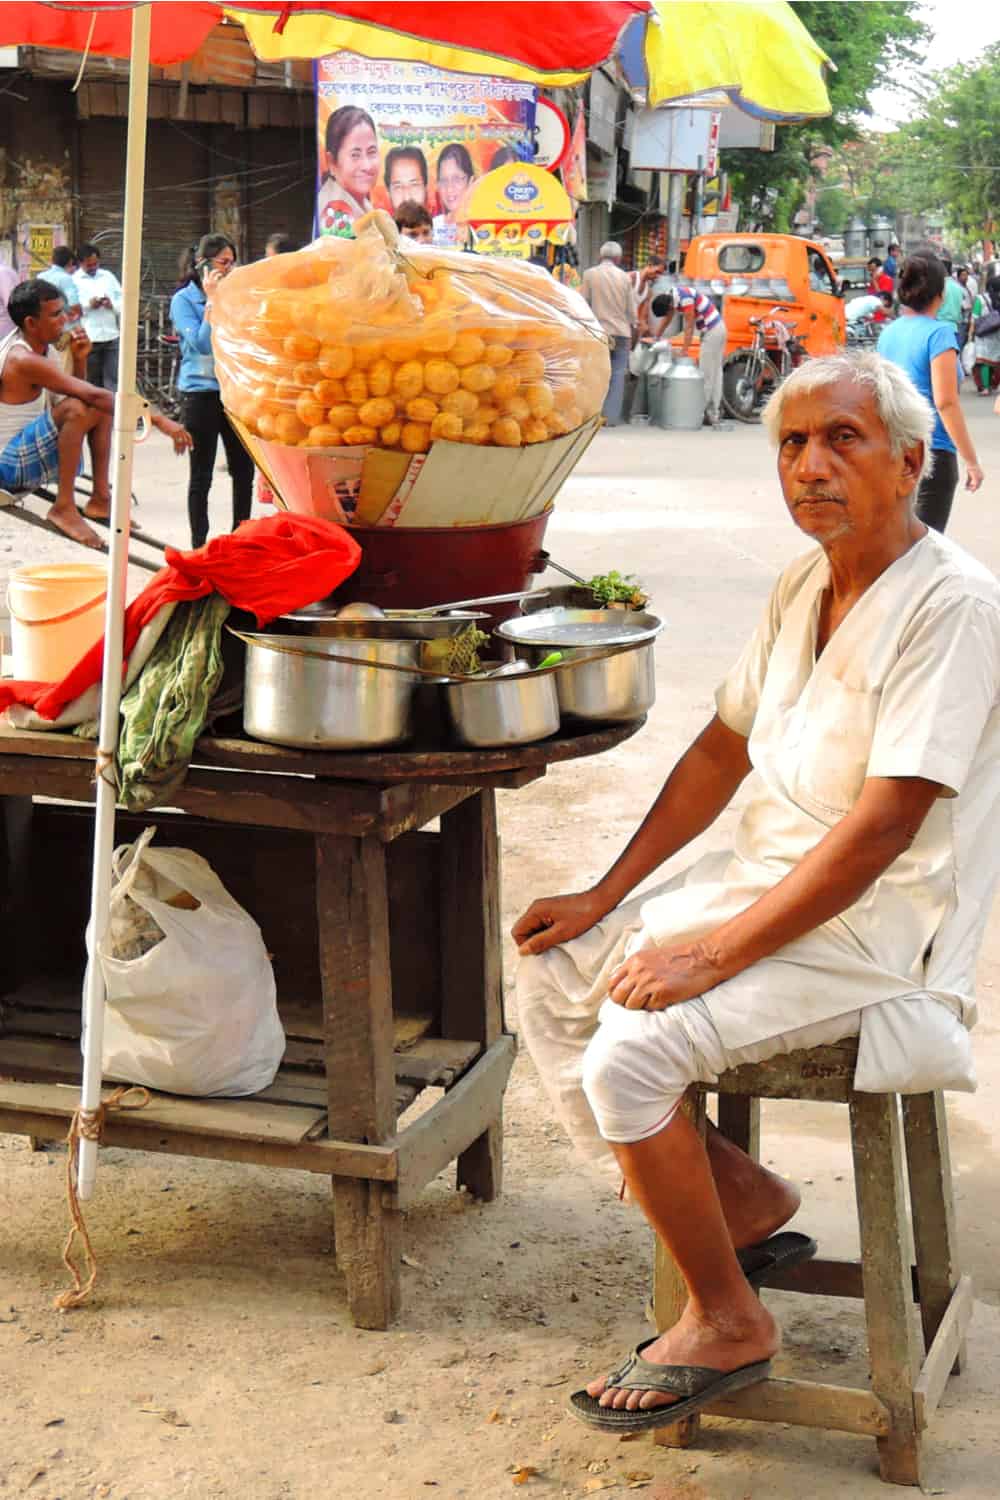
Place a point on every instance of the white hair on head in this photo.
(907, 416)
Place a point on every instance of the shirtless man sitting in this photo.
(45, 413)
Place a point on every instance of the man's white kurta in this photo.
(908, 685)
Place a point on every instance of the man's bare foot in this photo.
(693, 1341)
(98, 507)
(72, 524)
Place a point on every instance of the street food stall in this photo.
(347, 808)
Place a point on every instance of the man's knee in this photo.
(635, 1072)
(71, 411)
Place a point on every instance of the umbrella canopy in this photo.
(758, 55)
(554, 43)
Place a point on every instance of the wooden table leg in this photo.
(670, 1297)
(877, 1144)
(471, 963)
(739, 1122)
(353, 918)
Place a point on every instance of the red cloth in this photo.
(266, 567)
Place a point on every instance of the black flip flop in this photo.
(770, 1257)
(697, 1385)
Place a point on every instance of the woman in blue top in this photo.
(928, 351)
(204, 416)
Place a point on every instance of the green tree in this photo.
(868, 43)
(833, 207)
(948, 156)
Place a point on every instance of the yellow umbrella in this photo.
(759, 54)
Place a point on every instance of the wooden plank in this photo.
(877, 1144)
(822, 1277)
(408, 805)
(435, 1061)
(471, 961)
(941, 1356)
(670, 1297)
(823, 1074)
(234, 1119)
(461, 1117)
(353, 919)
(330, 1158)
(932, 1201)
(804, 1403)
(225, 796)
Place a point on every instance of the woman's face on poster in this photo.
(355, 165)
(451, 184)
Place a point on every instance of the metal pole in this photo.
(698, 206)
(675, 209)
(127, 408)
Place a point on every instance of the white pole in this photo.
(127, 408)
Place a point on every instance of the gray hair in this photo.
(611, 250)
(907, 416)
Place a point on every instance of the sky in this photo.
(961, 29)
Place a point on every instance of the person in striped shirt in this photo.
(700, 313)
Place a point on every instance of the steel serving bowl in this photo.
(591, 685)
(398, 624)
(514, 710)
(294, 696)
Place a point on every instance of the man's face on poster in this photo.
(406, 182)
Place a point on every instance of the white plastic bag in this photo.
(195, 1013)
(968, 356)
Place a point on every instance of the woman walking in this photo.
(986, 346)
(204, 417)
(928, 351)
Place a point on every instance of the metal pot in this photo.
(399, 625)
(294, 696)
(613, 690)
(513, 710)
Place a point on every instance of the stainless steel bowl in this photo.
(397, 625)
(512, 710)
(613, 690)
(581, 628)
(294, 696)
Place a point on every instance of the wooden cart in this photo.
(385, 939)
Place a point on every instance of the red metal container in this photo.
(407, 567)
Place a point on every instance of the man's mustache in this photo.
(818, 494)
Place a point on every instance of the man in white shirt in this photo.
(851, 904)
(60, 274)
(612, 297)
(100, 296)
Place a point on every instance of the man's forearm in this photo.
(698, 788)
(829, 880)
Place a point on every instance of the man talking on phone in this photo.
(101, 301)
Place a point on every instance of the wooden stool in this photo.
(905, 1387)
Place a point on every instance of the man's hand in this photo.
(655, 978)
(79, 346)
(556, 919)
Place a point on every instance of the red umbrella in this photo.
(552, 42)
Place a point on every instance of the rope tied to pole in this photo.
(88, 1125)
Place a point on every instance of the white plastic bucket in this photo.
(56, 614)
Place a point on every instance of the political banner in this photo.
(393, 133)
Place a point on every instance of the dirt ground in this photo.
(218, 1359)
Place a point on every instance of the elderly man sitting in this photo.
(853, 899)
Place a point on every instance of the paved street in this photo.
(699, 518)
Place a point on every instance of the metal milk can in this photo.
(684, 395)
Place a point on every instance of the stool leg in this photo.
(670, 1298)
(877, 1144)
(928, 1161)
(739, 1122)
